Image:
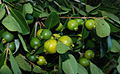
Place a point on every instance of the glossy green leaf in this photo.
(118, 67)
(85, 33)
(114, 28)
(64, 8)
(2, 57)
(5, 70)
(40, 14)
(37, 69)
(10, 21)
(62, 48)
(19, 22)
(111, 16)
(52, 20)
(27, 8)
(90, 8)
(23, 43)
(119, 60)
(94, 69)
(1, 46)
(2, 11)
(14, 65)
(102, 28)
(52, 9)
(115, 46)
(81, 69)
(22, 63)
(80, 11)
(70, 65)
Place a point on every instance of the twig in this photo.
(81, 18)
(86, 17)
(7, 9)
(6, 51)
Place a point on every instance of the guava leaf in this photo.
(40, 14)
(16, 22)
(14, 65)
(37, 69)
(90, 8)
(94, 69)
(52, 20)
(22, 63)
(27, 8)
(23, 43)
(118, 67)
(102, 28)
(85, 33)
(5, 70)
(2, 57)
(2, 11)
(62, 48)
(115, 46)
(111, 16)
(70, 65)
(81, 69)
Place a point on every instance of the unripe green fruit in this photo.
(84, 62)
(41, 61)
(46, 34)
(89, 54)
(7, 37)
(35, 43)
(72, 25)
(90, 24)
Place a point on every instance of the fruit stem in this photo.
(36, 28)
(81, 54)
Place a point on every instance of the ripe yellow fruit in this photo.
(66, 40)
(50, 46)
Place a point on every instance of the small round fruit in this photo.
(72, 25)
(46, 34)
(7, 37)
(32, 58)
(66, 40)
(89, 54)
(84, 62)
(50, 46)
(41, 61)
(39, 33)
(12, 46)
(79, 21)
(35, 43)
(90, 24)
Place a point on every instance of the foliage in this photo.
(103, 39)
